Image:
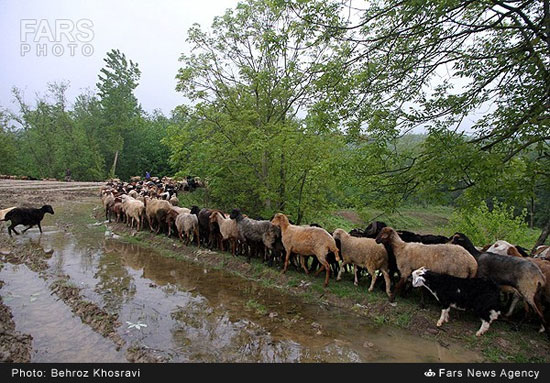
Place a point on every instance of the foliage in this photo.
(484, 225)
(43, 140)
(448, 67)
(251, 79)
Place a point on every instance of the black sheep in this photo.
(409, 236)
(26, 216)
(480, 295)
(373, 229)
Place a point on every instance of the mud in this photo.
(14, 346)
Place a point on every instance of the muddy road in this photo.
(84, 291)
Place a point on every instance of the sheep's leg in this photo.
(534, 302)
(515, 300)
(27, 228)
(303, 264)
(287, 259)
(12, 227)
(39, 227)
(339, 277)
(485, 325)
(150, 223)
(387, 279)
(327, 268)
(233, 245)
(196, 235)
(373, 277)
(355, 271)
(398, 287)
(180, 234)
(444, 316)
(158, 227)
(314, 265)
(9, 230)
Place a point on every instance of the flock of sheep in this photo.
(453, 270)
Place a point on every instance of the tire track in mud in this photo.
(17, 347)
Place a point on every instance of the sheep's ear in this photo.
(513, 252)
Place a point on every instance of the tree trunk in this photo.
(113, 170)
(265, 174)
(532, 219)
(282, 185)
(299, 215)
(543, 235)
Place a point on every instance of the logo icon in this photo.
(429, 373)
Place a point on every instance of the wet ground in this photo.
(101, 299)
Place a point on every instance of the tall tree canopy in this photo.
(251, 128)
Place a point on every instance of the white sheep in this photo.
(134, 211)
(229, 229)
(188, 224)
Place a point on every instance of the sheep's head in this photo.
(213, 217)
(385, 235)
(373, 229)
(338, 233)
(418, 277)
(195, 209)
(504, 248)
(47, 209)
(499, 247)
(280, 220)
(458, 239)
(235, 213)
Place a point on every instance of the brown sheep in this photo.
(366, 253)
(440, 258)
(156, 211)
(306, 241)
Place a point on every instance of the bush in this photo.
(484, 226)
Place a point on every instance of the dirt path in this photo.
(34, 193)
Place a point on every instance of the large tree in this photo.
(120, 108)
(251, 79)
(474, 75)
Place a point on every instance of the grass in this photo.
(429, 219)
(256, 306)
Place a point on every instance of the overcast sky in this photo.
(151, 33)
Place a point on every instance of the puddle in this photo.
(188, 313)
(58, 335)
